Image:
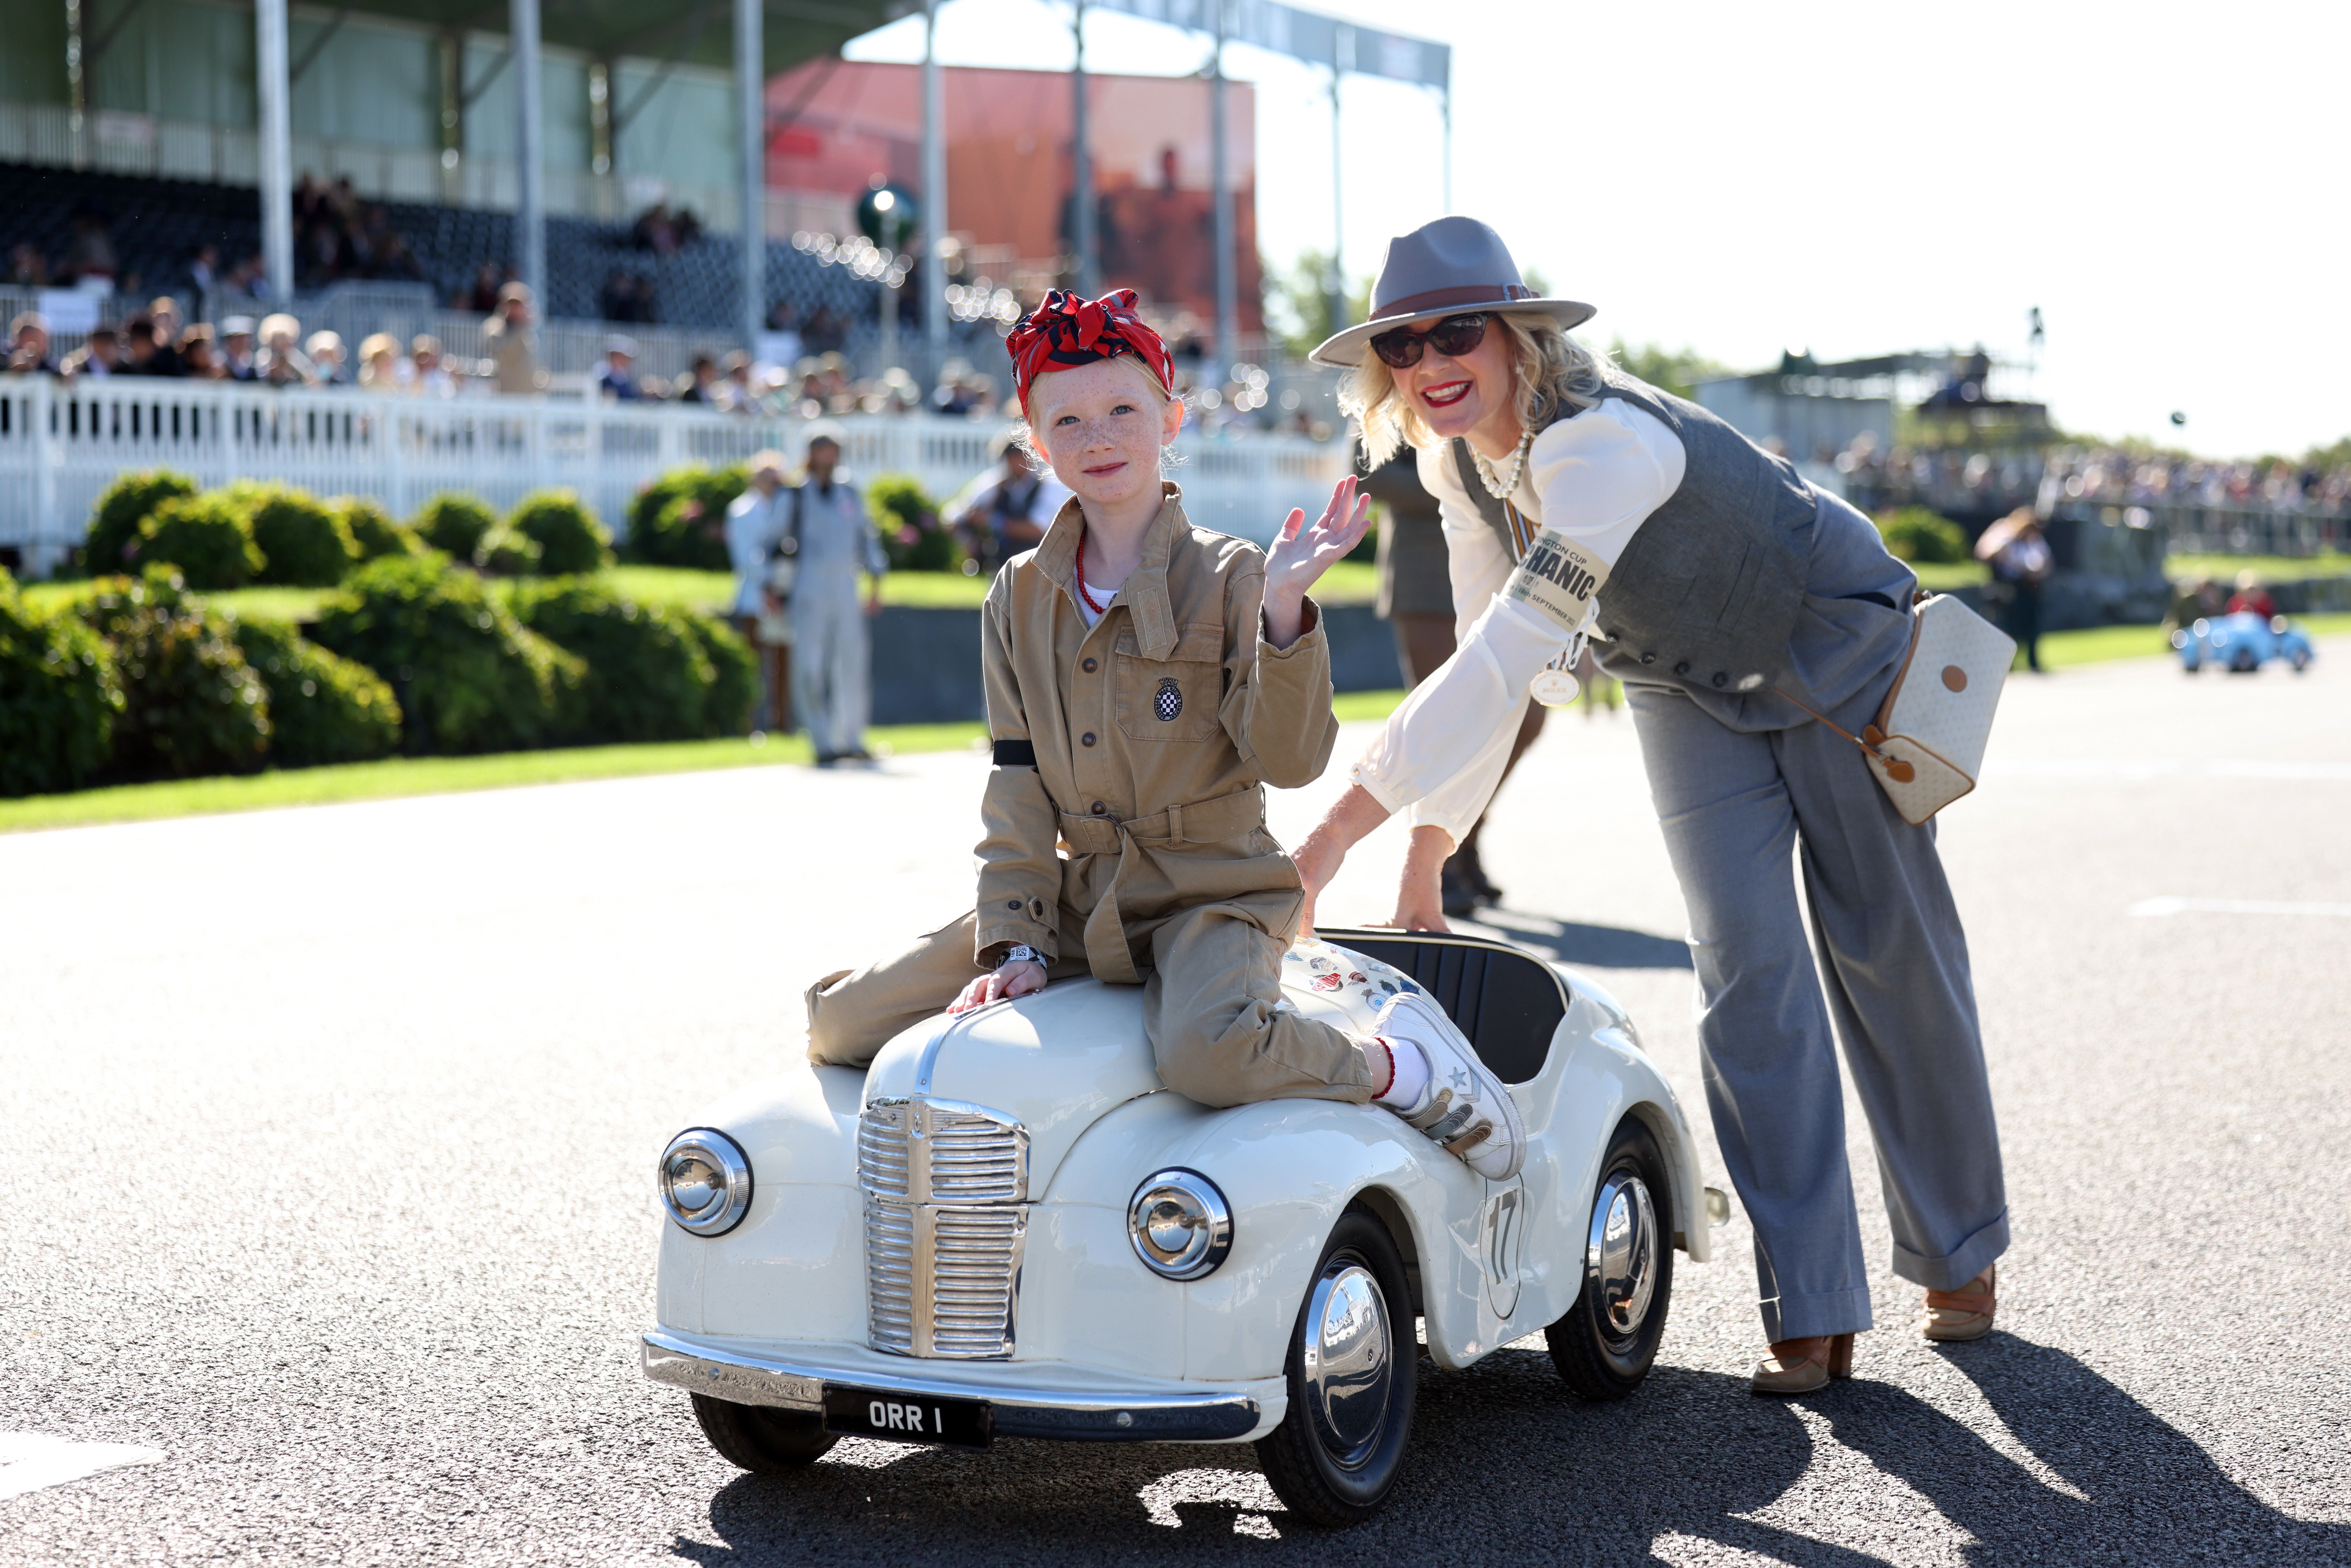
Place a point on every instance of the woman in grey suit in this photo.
(1734, 602)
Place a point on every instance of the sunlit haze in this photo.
(2165, 183)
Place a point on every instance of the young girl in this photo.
(1145, 680)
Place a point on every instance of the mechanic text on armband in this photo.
(1558, 579)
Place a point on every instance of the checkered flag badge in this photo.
(1169, 701)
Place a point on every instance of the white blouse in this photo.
(1593, 478)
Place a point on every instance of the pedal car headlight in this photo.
(1180, 1224)
(706, 1181)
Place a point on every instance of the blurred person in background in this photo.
(199, 357)
(380, 363)
(1006, 508)
(100, 355)
(2252, 597)
(325, 351)
(618, 378)
(700, 382)
(2021, 562)
(482, 299)
(165, 312)
(2193, 598)
(28, 345)
(513, 343)
(432, 377)
(831, 647)
(139, 346)
(89, 257)
(736, 392)
(282, 362)
(236, 349)
(27, 267)
(1417, 601)
(763, 546)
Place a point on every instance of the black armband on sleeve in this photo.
(1015, 753)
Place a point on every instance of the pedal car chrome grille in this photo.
(945, 1221)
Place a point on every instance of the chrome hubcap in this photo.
(1620, 1259)
(1347, 1358)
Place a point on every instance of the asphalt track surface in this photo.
(326, 1138)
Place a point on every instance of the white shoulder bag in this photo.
(1926, 745)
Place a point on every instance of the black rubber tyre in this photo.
(765, 1441)
(1599, 1359)
(1317, 1487)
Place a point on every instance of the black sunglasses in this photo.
(1453, 336)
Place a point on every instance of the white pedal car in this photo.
(1009, 1228)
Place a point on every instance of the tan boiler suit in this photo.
(1155, 733)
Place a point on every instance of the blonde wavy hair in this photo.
(1549, 372)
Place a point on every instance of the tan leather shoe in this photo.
(1964, 1313)
(1802, 1365)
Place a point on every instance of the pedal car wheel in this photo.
(1604, 1344)
(764, 1441)
(1353, 1361)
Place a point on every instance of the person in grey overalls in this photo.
(831, 650)
(1735, 602)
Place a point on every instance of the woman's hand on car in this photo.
(1350, 816)
(1002, 984)
(1301, 555)
(1420, 896)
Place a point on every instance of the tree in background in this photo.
(1298, 302)
(1677, 370)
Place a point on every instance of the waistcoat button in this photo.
(1011, 903)
(1101, 810)
(1088, 666)
(1682, 668)
(1087, 739)
(1720, 680)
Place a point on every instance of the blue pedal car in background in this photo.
(2242, 642)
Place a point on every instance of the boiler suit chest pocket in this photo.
(1174, 698)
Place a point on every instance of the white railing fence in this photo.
(61, 443)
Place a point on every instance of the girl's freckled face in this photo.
(1101, 428)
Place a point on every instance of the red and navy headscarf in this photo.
(1068, 330)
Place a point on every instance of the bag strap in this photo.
(1869, 740)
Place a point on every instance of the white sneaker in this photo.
(1465, 1108)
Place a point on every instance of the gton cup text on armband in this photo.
(1559, 578)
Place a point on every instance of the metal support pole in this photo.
(935, 190)
(530, 172)
(1081, 186)
(751, 150)
(276, 155)
(1445, 105)
(1220, 200)
(1343, 48)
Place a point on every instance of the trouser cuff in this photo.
(1831, 1311)
(1964, 1264)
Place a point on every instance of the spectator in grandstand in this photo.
(91, 256)
(618, 378)
(325, 351)
(952, 395)
(831, 646)
(430, 377)
(380, 363)
(700, 382)
(626, 297)
(139, 346)
(28, 345)
(282, 362)
(164, 311)
(655, 230)
(513, 342)
(27, 267)
(782, 346)
(1006, 508)
(735, 392)
(483, 298)
(199, 361)
(237, 348)
(100, 355)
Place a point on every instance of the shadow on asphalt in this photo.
(1600, 946)
(1507, 1466)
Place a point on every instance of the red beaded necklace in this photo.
(1097, 606)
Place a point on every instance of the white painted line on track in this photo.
(2235, 907)
(29, 1461)
(2167, 768)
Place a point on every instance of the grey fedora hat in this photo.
(1446, 268)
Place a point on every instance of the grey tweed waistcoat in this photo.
(1708, 591)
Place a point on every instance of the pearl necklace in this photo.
(1499, 488)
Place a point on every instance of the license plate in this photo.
(908, 1417)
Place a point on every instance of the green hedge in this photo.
(1923, 537)
(303, 541)
(191, 705)
(209, 538)
(648, 678)
(455, 523)
(374, 533)
(469, 677)
(59, 699)
(680, 519)
(734, 687)
(909, 523)
(121, 507)
(571, 540)
(508, 552)
(323, 707)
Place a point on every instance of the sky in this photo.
(2165, 182)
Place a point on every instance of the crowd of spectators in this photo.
(1961, 483)
(337, 235)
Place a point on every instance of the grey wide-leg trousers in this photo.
(1737, 809)
(831, 653)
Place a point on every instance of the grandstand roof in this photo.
(692, 32)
